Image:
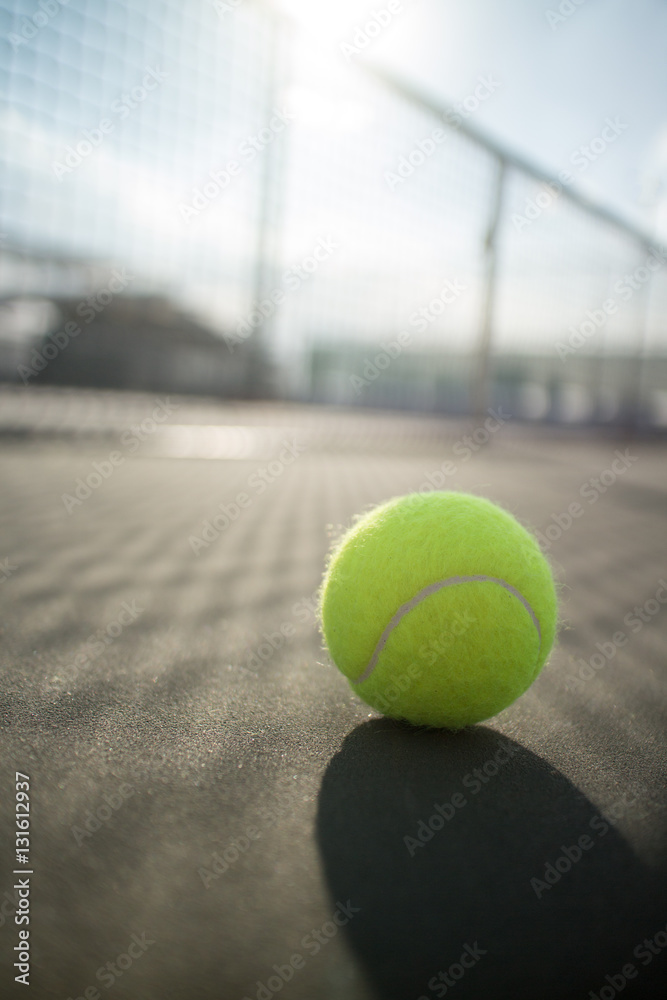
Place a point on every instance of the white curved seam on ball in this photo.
(433, 588)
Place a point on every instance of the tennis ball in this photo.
(439, 608)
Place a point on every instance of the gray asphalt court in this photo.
(214, 814)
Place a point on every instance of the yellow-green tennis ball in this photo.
(439, 608)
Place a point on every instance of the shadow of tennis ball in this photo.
(445, 840)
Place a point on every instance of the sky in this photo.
(563, 69)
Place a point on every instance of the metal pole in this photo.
(634, 402)
(267, 220)
(481, 381)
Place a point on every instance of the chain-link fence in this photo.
(280, 218)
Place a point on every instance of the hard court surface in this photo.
(174, 708)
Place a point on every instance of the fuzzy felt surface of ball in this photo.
(439, 608)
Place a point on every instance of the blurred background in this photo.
(414, 205)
